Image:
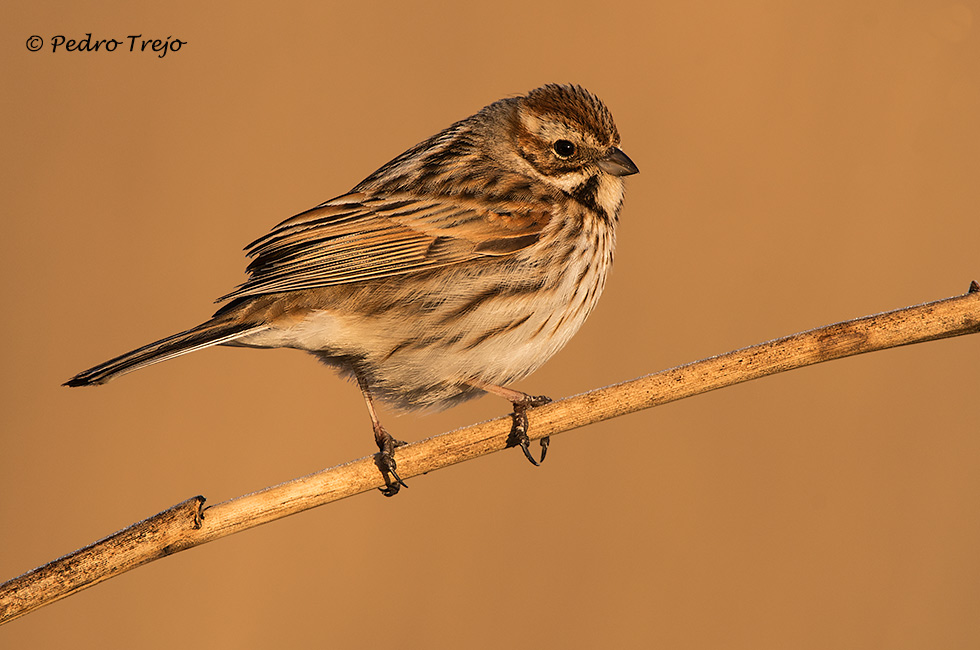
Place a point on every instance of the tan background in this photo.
(802, 163)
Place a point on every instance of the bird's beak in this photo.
(617, 163)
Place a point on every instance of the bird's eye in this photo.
(563, 148)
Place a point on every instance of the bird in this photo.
(454, 270)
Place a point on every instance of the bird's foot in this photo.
(518, 432)
(385, 460)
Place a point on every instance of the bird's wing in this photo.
(359, 237)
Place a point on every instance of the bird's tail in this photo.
(196, 338)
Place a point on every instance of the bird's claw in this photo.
(385, 460)
(518, 432)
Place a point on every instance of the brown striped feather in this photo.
(354, 238)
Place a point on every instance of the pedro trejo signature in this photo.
(130, 43)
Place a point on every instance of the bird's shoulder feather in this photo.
(360, 236)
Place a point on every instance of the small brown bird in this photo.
(457, 268)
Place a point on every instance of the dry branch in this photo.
(190, 524)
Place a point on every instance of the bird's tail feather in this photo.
(196, 338)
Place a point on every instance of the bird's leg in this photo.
(385, 459)
(518, 431)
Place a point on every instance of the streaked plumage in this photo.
(460, 266)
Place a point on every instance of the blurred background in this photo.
(801, 164)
